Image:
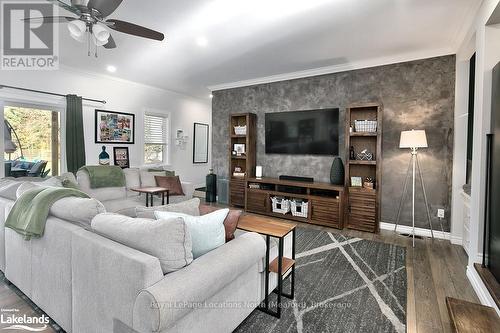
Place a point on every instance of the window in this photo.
(31, 138)
(155, 139)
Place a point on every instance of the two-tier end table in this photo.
(281, 265)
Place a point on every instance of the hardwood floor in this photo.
(435, 270)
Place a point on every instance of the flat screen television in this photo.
(314, 132)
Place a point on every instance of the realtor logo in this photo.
(28, 45)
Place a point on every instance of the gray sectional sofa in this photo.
(89, 283)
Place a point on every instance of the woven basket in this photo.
(365, 125)
(299, 208)
(240, 130)
(280, 205)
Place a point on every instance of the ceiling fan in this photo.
(91, 24)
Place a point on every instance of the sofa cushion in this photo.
(167, 239)
(9, 191)
(148, 178)
(189, 207)
(207, 231)
(231, 221)
(101, 194)
(172, 183)
(79, 211)
(132, 178)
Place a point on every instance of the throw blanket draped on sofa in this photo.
(29, 214)
(105, 176)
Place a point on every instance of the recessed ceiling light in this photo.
(201, 41)
(111, 69)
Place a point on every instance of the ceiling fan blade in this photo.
(134, 29)
(64, 5)
(49, 19)
(111, 43)
(104, 7)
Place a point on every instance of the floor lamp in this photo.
(413, 140)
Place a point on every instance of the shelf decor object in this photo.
(363, 198)
(337, 171)
(242, 154)
(413, 140)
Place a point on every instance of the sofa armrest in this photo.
(188, 189)
(161, 305)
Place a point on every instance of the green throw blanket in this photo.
(105, 176)
(29, 214)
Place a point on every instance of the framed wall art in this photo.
(121, 157)
(114, 127)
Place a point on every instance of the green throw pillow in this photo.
(168, 173)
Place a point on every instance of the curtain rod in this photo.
(49, 93)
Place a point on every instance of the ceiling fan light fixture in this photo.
(81, 39)
(100, 33)
(77, 28)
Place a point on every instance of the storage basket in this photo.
(365, 125)
(280, 205)
(299, 208)
(240, 130)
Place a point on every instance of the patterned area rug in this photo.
(342, 284)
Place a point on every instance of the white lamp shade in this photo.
(100, 33)
(413, 139)
(77, 28)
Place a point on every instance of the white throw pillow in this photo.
(189, 207)
(148, 177)
(207, 231)
(167, 239)
(132, 178)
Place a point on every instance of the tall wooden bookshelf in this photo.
(363, 204)
(246, 162)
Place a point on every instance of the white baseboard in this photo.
(456, 240)
(404, 229)
(480, 289)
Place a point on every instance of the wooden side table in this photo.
(281, 265)
(151, 191)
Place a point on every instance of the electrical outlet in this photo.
(440, 213)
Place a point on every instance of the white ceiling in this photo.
(259, 38)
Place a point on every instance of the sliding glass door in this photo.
(32, 140)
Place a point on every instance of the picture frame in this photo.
(121, 157)
(200, 143)
(239, 148)
(356, 182)
(114, 127)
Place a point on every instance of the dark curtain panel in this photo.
(75, 143)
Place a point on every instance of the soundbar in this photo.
(297, 179)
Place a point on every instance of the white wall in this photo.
(487, 48)
(123, 96)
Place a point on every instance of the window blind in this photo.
(155, 130)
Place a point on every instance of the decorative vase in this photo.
(211, 189)
(103, 157)
(337, 171)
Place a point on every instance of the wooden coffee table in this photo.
(151, 191)
(281, 265)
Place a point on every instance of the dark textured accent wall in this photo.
(415, 95)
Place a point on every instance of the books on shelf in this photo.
(254, 186)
